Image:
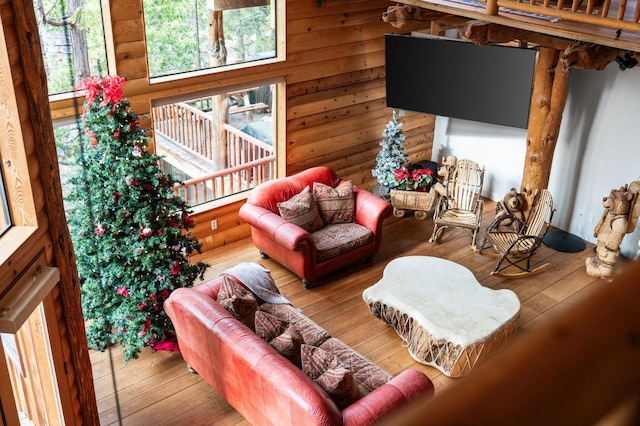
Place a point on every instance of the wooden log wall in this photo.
(334, 88)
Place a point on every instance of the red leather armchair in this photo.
(292, 246)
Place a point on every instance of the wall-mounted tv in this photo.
(453, 78)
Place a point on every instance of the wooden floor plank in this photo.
(157, 389)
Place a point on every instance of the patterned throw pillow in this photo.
(239, 301)
(368, 375)
(282, 336)
(302, 210)
(312, 333)
(325, 369)
(337, 205)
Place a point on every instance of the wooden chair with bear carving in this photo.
(516, 247)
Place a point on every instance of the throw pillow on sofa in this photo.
(302, 210)
(336, 205)
(281, 335)
(312, 333)
(368, 375)
(239, 301)
(334, 378)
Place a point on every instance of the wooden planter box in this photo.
(419, 202)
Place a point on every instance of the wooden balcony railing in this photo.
(249, 161)
(186, 125)
(226, 182)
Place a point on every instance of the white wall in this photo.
(598, 149)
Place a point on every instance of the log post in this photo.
(550, 88)
(492, 7)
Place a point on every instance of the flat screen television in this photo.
(452, 78)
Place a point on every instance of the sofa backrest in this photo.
(270, 193)
(261, 384)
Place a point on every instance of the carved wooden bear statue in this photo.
(610, 231)
(448, 163)
(510, 211)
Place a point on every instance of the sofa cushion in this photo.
(334, 240)
(312, 333)
(302, 210)
(337, 205)
(334, 378)
(239, 301)
(281, 335)
(368, 375)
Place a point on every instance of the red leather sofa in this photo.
(292, 246)
(262, 385)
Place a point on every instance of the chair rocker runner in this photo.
(460, 206)
(515, 248)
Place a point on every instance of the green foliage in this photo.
(249, 33)
(178, 39)
(130, 231)
(392, 155)
(56, 41)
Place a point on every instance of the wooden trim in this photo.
(12, 153)
(40, 121)
(25, 295)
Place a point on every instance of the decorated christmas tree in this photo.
(130, 232)
(392, 155)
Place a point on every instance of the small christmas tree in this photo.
(392, 155)
(130, 231)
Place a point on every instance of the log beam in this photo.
(589, 56)
(400, 16)
(485, 33)
(550, 88)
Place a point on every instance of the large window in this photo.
(72, 40)
(218, 145)
(190, 35)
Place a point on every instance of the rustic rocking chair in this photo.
(460, 206)
(515, 248)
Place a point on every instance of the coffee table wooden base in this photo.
(446, 318)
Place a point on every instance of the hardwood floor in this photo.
(157, 389)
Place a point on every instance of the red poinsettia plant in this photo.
(413, 179)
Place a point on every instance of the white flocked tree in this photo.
(392, 154)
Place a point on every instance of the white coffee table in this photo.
(447, 319)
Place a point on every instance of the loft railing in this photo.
(619, 15)
(249, 161)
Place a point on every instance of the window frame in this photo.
(279, 144)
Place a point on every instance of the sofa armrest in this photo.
(370, 209)
(406, 386)
(285, 233)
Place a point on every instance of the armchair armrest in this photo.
(404, 387)
(370, 210)
(285, 233)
